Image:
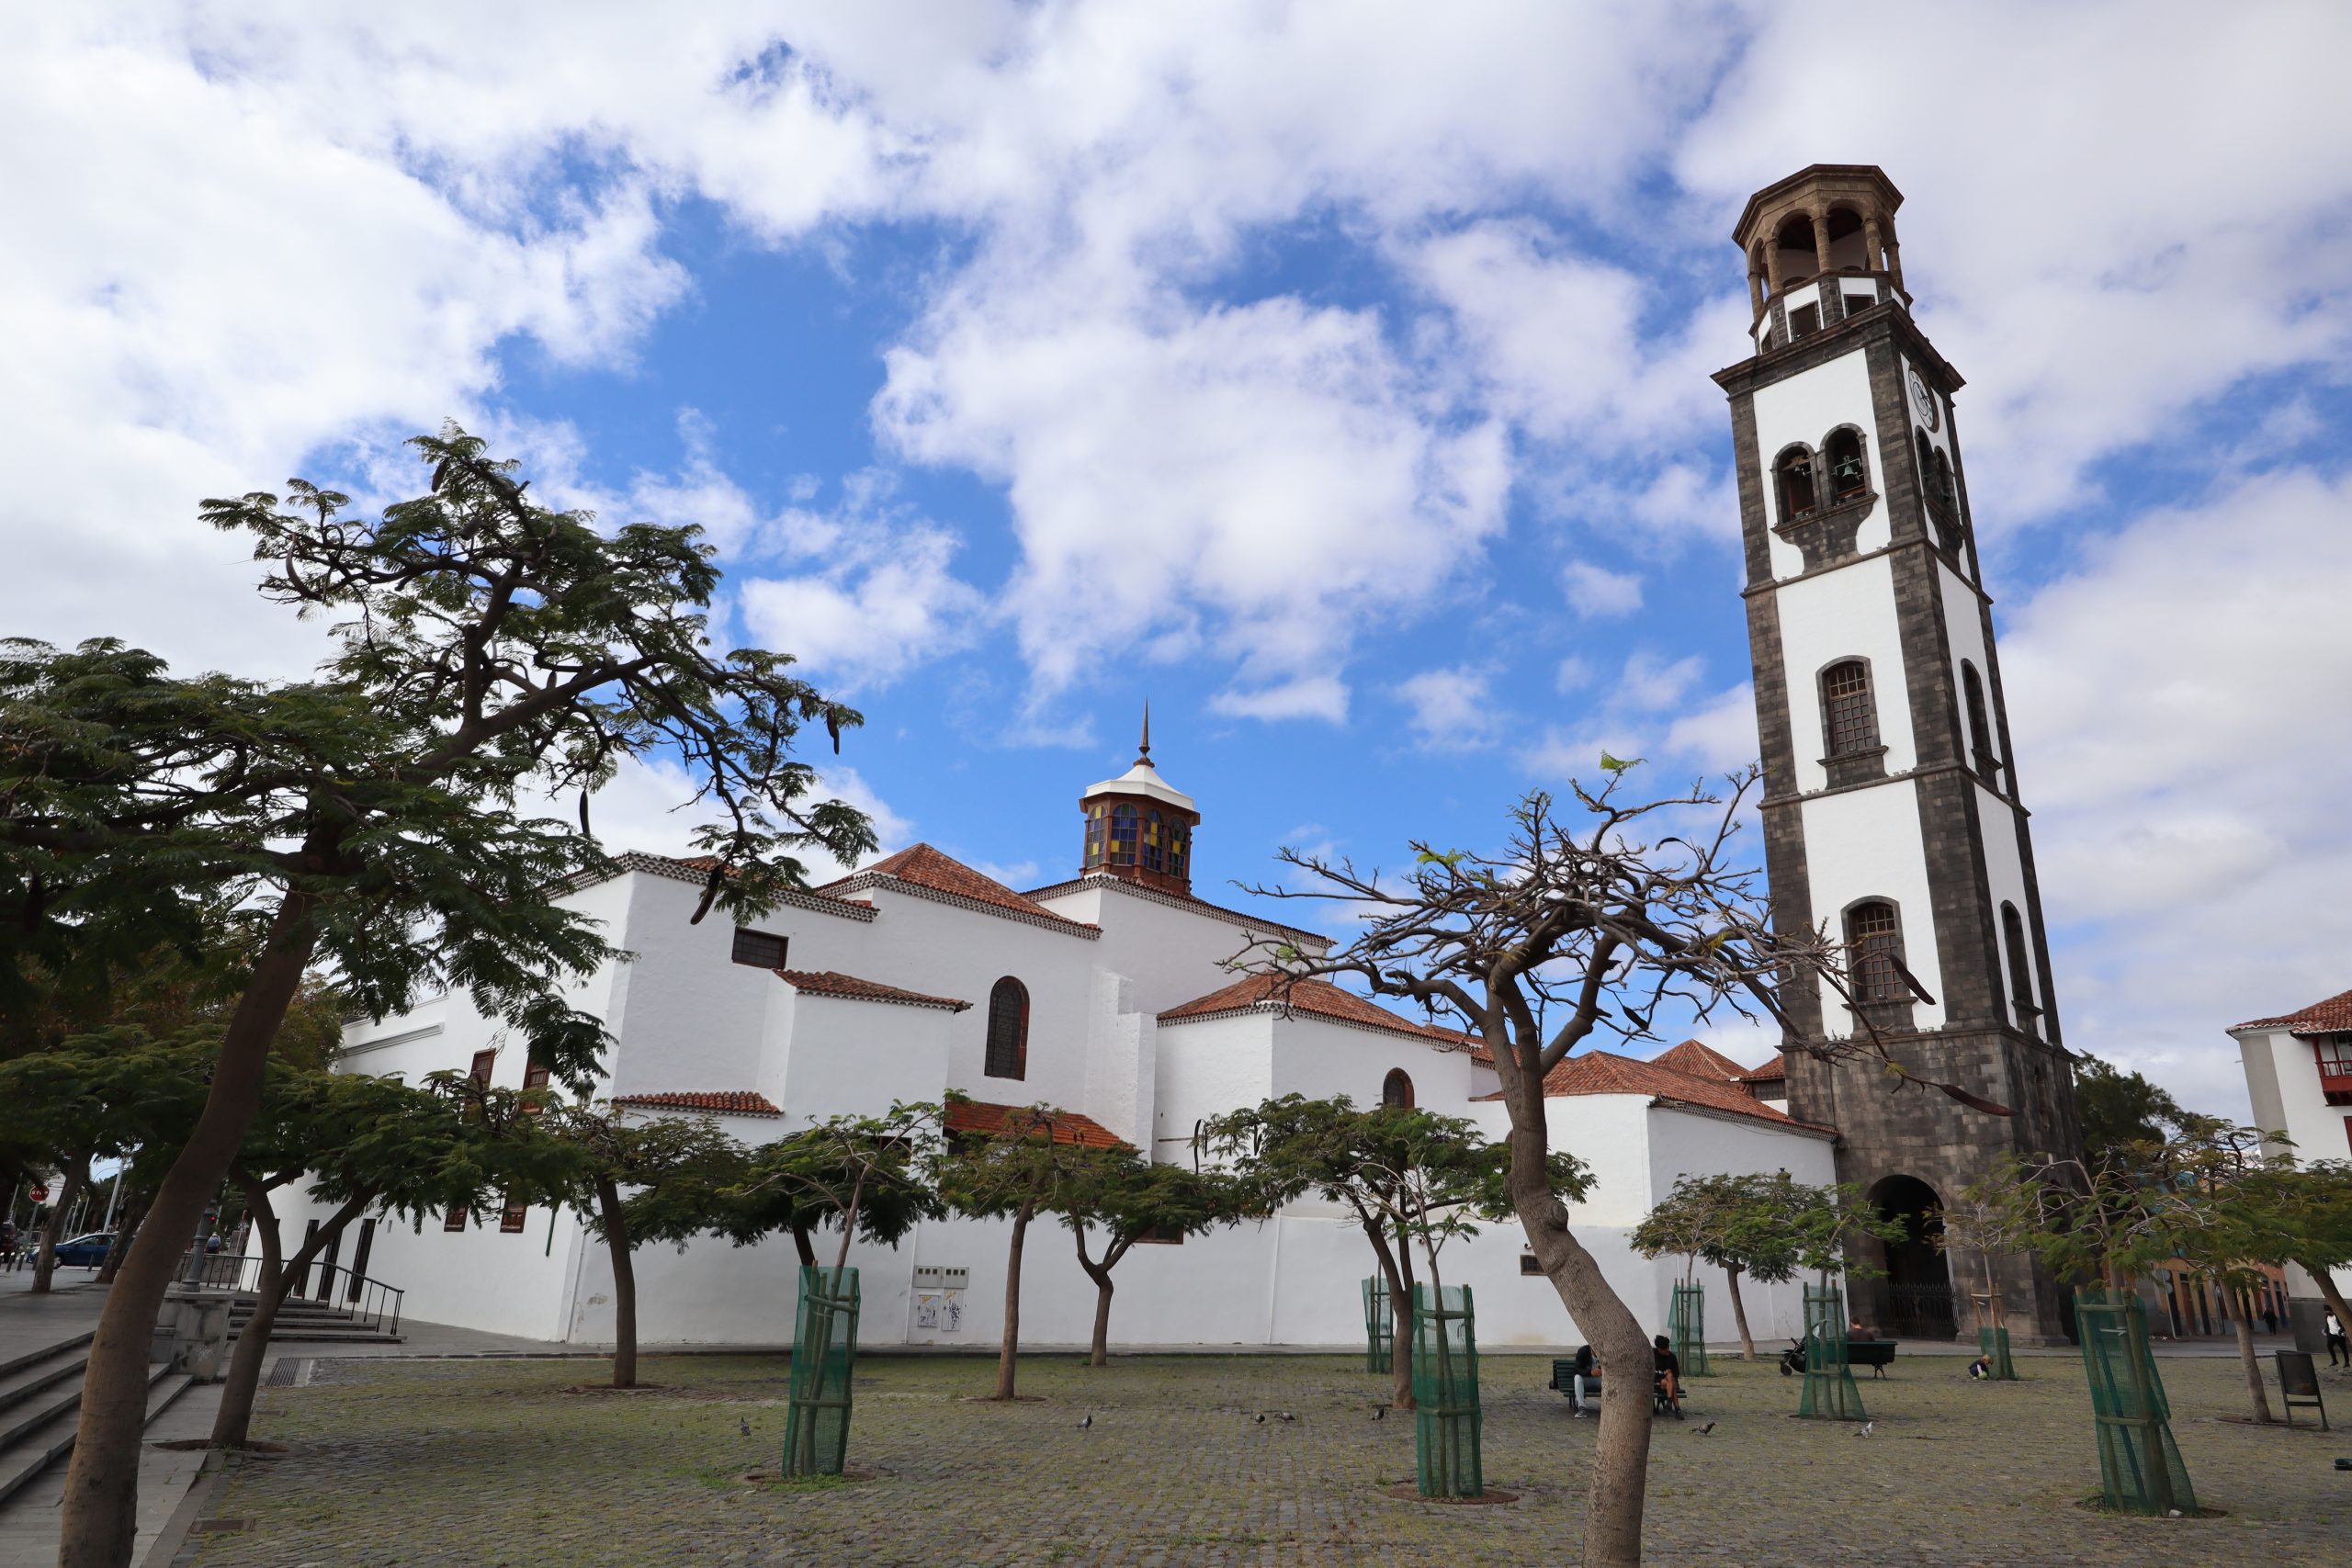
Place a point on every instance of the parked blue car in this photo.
(86, 1251)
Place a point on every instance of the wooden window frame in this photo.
(1976, 712)
(1874, 985)
(1155, 1237)
(2018, 951)
(1862, 486)
(1397, 1076)
(1848, 718)
(484, 1063)
(1020, 1047)
(513, 1217)
(1784, 476)
(753, 948)
(454, 1220)
(535, 1076)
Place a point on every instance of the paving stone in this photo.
(493, 1462)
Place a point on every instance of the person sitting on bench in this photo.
(1669, 1375)
(1587, 1369)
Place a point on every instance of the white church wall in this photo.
(1206, 1067)
(1865, 844)
(845, 1057)
(1315, 1057)
(1846, 614)
(1122, 1059)
(2005, 876)
(1174, 956)
(1805, 408)
(2282, 1081)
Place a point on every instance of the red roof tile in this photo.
(921, 866)
(1318, 998)
(1774, 1071)
(1068, 1126)
(1690, 1057)
(1605, 1072)
(833, 983)
(2329, 1017)
(728, 1101)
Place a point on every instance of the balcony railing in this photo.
(370, 1302)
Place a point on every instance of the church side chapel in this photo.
(1891, 812)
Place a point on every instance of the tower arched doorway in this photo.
(1916, 1294)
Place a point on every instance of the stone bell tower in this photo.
(1891, 812)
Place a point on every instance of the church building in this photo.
(1891, 812)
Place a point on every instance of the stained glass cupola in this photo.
(1140, 827)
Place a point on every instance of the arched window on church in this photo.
(1946, 497)
(1874, 946)
(1397, 1090)
(1842, 454)
(1792, 480)
(1123, 824)
(1847, 712)
(1008, 1055)
(1154, 851)
(1799, 260)
(1980, 728)
(2020, 974)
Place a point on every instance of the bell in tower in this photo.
(1139, 826)
(1891, 814)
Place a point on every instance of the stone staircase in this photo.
(41, 1403)
(304, 1321)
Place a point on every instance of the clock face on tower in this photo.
(1924, 401)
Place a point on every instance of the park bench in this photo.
(1876, 1354)
(1564, 1378)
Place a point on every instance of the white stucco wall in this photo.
(1805, 408)
(2282, 1080)
(1846, 614)
(1172, 955)
(2001, 829)
(1205, 1068)
(1864, 843)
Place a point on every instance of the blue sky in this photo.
(1335, 381)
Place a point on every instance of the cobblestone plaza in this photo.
(506, 1462)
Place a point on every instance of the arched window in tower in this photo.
(1848, 247)
(1980, 729)
(1793, 478)
(1874, 945)
(1794, 242)
(1842, 454)
(1941, 487)
(1397, 1090)
(1846, 711)
(2020, 974)
(1008, 1052)
(1123, 824)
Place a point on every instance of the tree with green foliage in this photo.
(374, 820)
(2312, 1207)
(873, 1176)
(1737, 1223)
(1411, 1177)
(2119, 1109)
(1015, 1170)
(1131, 1200)
(1992, 1218)
(635, 1178)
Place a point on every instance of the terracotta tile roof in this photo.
(696, 869)
(1774, 1071)
(727, 1101)
(925, 871)
(833, 983)
(2329, 1017)
(1690, 1057)
(1318, 998)
(1068, 1126)
(1316, 940)
(1605, 1072)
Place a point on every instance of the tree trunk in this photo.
(45, 1260)
(804, 1245)
(1612, 1530)
(1010, 1348)
(608, 1203)
(1400, 1314)
(1100, 1356)
(100, 1517)
(233, 1424)
(125, 1231)
(1740, 1313)
(2241, 1325)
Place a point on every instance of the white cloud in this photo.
(650, 805)
(1453, 709)
(1309, 697)
(864, 626)
(1649, 682)
(1597, 592)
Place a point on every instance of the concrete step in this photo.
(29, 1451)
(31, 1379)
(18, 1363)
(358, 1335)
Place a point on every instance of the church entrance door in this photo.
(1918, 1278)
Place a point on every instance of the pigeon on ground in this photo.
(744, 1422)
(1702, 1431)
(1089, 1422)
(1284, 1415)
(1259, 1418)
(1864, 1429)
(1380, 1413)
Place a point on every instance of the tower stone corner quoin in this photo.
(1891, 810)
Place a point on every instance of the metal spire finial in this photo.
(1143, 755)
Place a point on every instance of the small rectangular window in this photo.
(761, 950)
(1859, 302)
(511, 1217)
(535, 1076)
(1527, 1264)
(1162, 1235)
(1804, 321)
(483, 1061)
(454, 1220)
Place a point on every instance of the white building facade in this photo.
(1107, 997)
(2299, 1076)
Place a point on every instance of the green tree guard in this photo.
(1993, 1338)
(1829, 1391)
(1445, 1389)
(2139, 1465)
(824, 1345)
(1379, 1325)
(1686, 1326)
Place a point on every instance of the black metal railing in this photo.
(367, 1302)
(1922, 1312)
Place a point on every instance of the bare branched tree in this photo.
(1582, 927)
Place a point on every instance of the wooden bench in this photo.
(1564, 1376)
(1876, 1354)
